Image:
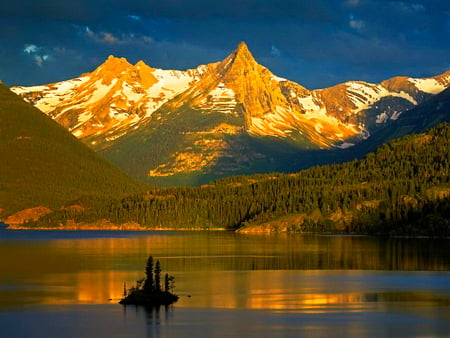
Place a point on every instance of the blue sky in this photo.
(315, 43)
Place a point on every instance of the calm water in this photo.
(67, 284)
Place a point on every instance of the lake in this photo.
(67, 284)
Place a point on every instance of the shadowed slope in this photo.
(44, 165)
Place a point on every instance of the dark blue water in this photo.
(67, 284)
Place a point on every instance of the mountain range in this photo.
(229, 117)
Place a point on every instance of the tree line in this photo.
(400, 189)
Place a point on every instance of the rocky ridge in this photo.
(190, 121)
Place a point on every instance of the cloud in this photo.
(89, 12)
(110, 38)
(30, 49)
(134, 17)
(40, 59)
(192, 10)
(274, 51)
(346, 39)
(36, 53)
(102, 37)
(358, 25)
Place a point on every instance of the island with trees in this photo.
(148, 291)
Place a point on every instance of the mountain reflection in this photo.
(224, 270)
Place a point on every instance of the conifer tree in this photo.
(157, 277)
(166, 282)
(149, 284)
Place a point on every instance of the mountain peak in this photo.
(113, 60)
(114, 64)
(242, 52)
(140, 63)
(239, 60)
(111, 68)
(242, 48)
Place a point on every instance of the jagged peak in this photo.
(140, 63)
(241, 58)
(114, 64)
(242, 52)
(143, 67)
(113, 60)
(242, 48)
(111, 68)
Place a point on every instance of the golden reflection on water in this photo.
(309, 274)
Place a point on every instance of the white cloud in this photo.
(30, 49)
(134, 17)
(358, 25)
(37, 54)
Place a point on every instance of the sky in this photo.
(317, 43)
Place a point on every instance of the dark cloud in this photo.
(318, 10)
(316, 43)
(87, 11)
(70, 11)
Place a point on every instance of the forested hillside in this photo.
(400, 189)
(44, 166)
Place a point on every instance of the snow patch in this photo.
(221, 99)
(278, 79)
(363, 95)
(396, 115)
(308, 103)
(345, 145)
(130, 92)
(77, 133)
(261, 126)
(318, 127)
(381, 118)
(100, 90)
(430, 86)
(83, 117)
(364, 133)
(170, 83)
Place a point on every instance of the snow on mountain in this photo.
(103, 105)
(231, 97)
(430, 86)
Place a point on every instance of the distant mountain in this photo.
(426, 115)
(44, 166)
(224, 118)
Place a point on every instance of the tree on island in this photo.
(148, 291)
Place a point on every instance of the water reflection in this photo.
(227, 251)
(223, 270)
(229, 285)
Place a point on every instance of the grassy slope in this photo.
(44, 165)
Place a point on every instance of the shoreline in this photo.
(116, 228)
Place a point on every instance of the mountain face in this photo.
(224, 118)
(101, 106)
(44, 166)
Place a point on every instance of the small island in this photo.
(148, 291)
